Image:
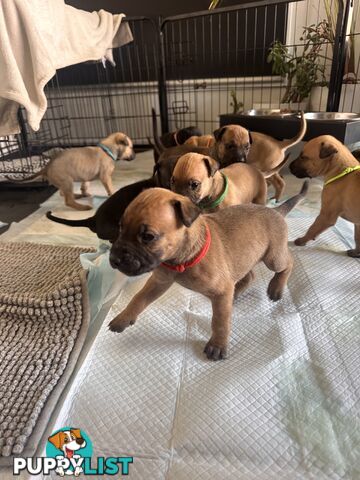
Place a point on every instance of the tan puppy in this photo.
(326, 157)
(236, 144)
(84, 164)
(203, 141)
(212, 254)
(198, 178)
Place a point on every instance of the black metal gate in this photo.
(190, 68)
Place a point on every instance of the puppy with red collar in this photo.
(198, 177)
(212, 254)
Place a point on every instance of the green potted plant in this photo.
(302, 66)
(236, 105)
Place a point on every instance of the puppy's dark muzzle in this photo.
(235, 155)
(127, 260)
(130, 157)
(297, 170)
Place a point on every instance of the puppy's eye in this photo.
(147, 237)
(66, 440)
(194, 184)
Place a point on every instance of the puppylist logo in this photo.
(68, 452)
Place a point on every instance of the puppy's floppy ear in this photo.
(219, 133)
(121, 139)
(186, 211)
(211, 166)
(326, 150)
(57, 439)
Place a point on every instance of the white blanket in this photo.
(40, 36)
(284, 405)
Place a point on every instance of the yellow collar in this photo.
(342, 174)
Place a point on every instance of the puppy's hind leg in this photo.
(67, 189)
(85, 189)
(242, 284)
(107, 182)
(278, 260)
(278, 183)
(355, 253)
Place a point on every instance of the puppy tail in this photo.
(293, 141)
(285, 207)
(160, 147)
(85, 222)
(40, 173)
(154, 146)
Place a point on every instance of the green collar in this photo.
(342, 174)
(217, 201)
(107, 150)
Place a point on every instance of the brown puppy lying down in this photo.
(202, 141)
(84, 164)
(199, 178)
(326, 157)
(235, 143)
(213, 254)
(170, 139)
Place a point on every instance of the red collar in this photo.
(183, 266)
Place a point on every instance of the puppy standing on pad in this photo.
(326, 157)
(235, 143)
(213, 254)
(84, 164)
(199, 178)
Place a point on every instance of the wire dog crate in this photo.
(190, 68)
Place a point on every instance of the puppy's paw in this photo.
(214, 351)
(353, 253)
(300, 242)
(118, 324)
(274, 291)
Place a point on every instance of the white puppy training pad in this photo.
(284, 405)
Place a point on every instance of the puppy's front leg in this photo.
(322, 223)
(356, 251)
(157, 284)
(216, 348)
(107, 182)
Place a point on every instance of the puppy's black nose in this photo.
(123, 260)
(80, 441)
(115, 261)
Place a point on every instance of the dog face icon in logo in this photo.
(68, 442)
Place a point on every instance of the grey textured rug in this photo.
(44, 316)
